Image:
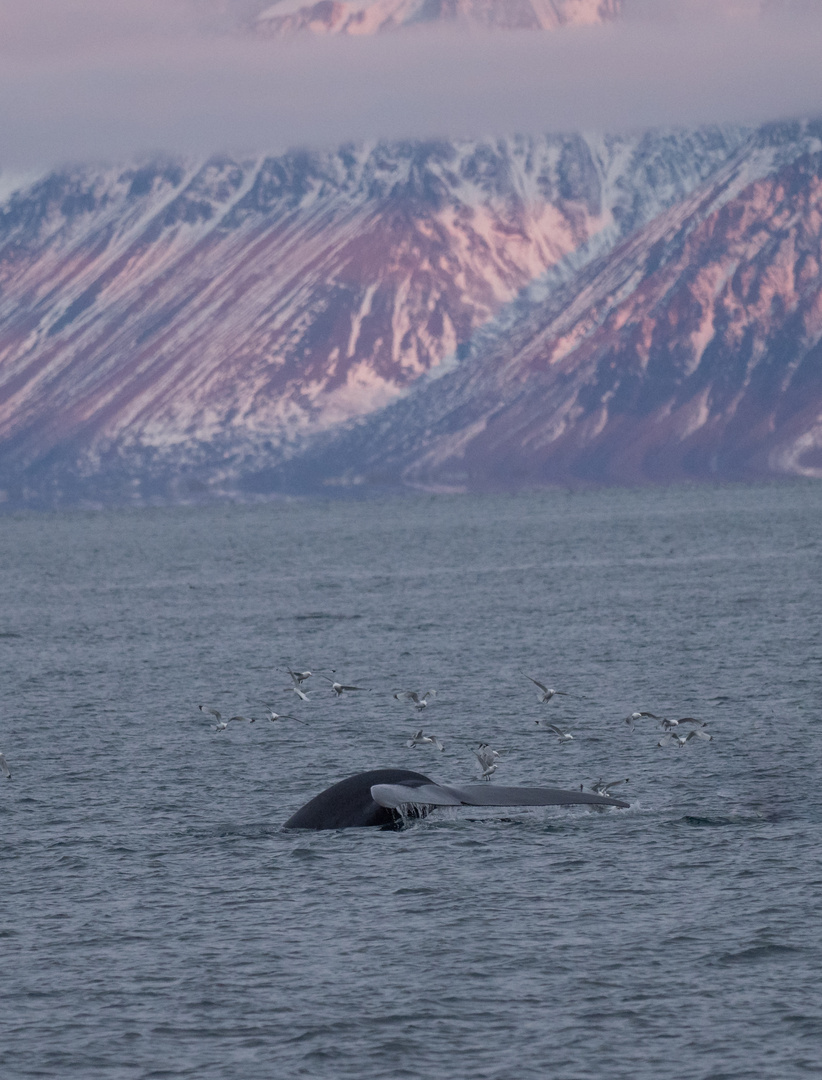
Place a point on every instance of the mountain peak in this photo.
(366, 17)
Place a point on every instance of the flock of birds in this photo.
(672, 737)
(487, 758)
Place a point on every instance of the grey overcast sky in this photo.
(110, 79)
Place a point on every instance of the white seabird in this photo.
(563, 736)
(338, 688)
(421, 739)
(488, 760)
(631, 719)
(299, 677)
(680, 740)
(603, 788)
(668, 724)
(223, 724)
(420, 700)
(271, 715)
(547, 691)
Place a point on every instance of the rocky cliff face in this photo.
(203, 319)
(375, 16)
(690, 351)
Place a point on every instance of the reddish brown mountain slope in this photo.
(692, 351)
(177, 310)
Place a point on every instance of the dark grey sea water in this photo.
(156, 921)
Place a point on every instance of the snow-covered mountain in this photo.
(375, 16)
(203, 319)
(692, 350)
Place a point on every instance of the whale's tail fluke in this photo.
(397, 795)
(384, 797)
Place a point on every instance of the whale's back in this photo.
(349, 803)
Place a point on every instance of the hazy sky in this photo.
(107, 79)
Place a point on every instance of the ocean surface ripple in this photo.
(157, 922)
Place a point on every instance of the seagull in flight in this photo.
(603, 788)
(668, 724)
(299, 677)
(222, 725)
(420, 739)
(420, 700)
(546, 692)
(634, 716)
(680, 740)
(218, 716)
(4, 765)
(563, 736)
(338, 688)
(488, 760)
(271, 715)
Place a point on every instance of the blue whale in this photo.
(386, 797)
